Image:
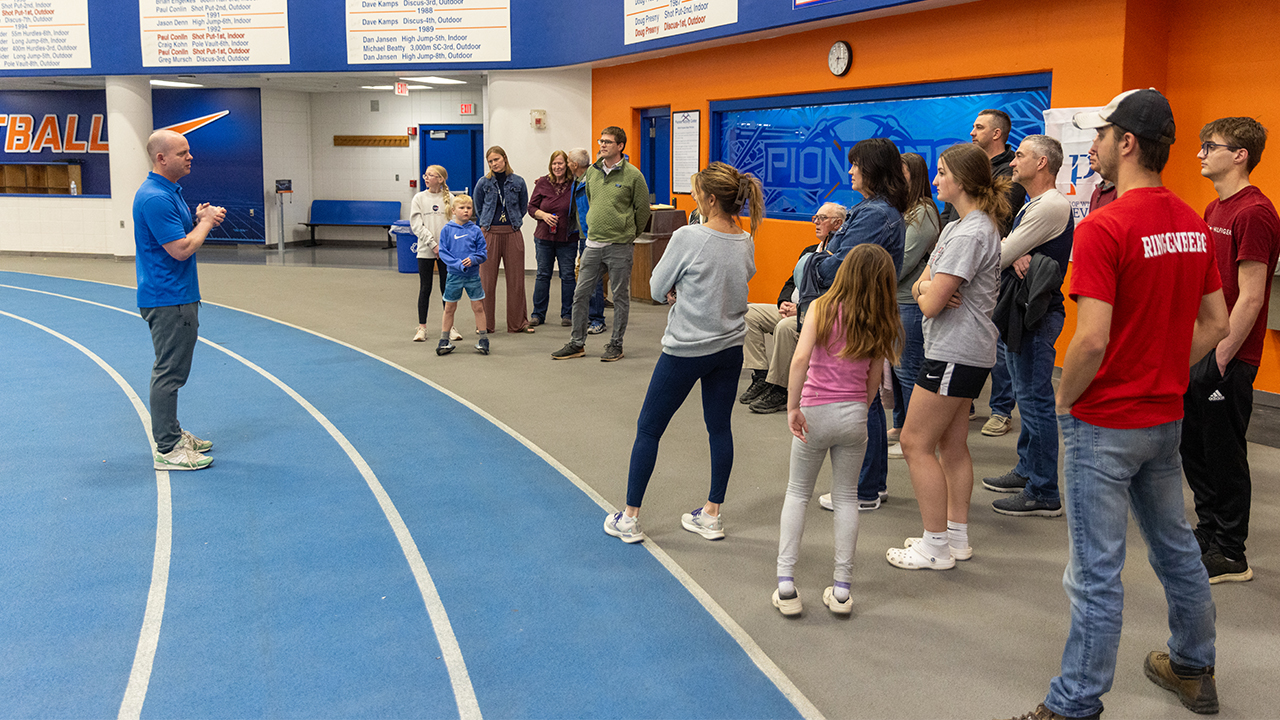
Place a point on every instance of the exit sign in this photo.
(467, 109)
(402, 88)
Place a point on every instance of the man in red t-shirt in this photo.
(1219, 400)
(1148, 299)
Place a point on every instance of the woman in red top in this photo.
(549, 205)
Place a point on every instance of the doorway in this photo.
(457, 148)
(655, 152)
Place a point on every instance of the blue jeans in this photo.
(904, 375)
(1001, 384)
(673, 379)
(875, 464)
(1031, 371)
(1107, 473)
(549, 253)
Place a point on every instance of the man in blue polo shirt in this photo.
(169, 292)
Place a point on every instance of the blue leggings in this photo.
(673, 379)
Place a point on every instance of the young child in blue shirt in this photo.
(462, 249)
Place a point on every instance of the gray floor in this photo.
(980, 641)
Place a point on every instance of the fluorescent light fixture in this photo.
(432, 79)
(377, 87)
(419, 87)
(173, 84)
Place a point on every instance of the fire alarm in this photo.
(413, 131)
(538, 119)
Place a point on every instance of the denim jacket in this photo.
(871, 221)
(515, 199)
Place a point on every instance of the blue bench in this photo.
(353, 213)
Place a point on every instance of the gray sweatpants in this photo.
(174, 329)
(840, 428)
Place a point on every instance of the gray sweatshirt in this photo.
(709, 271)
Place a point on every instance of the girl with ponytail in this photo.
(956, 293)
(428, 212)
(703, 274)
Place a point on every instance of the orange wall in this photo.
(1094, 48)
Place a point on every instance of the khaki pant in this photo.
(764, 320)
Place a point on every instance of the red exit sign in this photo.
(467, 109)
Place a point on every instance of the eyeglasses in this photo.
(822, 218)
(1207, 147)
(602, 141)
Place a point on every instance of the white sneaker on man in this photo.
(182, 458)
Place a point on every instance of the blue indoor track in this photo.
(321, 568)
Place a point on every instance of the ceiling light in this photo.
(435, 80)
(377, 87)
(173, 84)
(419, 87)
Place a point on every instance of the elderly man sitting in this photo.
(768, 390)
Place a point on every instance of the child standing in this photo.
(428, 213)
(836, 370)
(462, 248)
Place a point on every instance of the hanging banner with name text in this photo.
(652, 19)
(214, 32)
(428, 31)
(44, 34)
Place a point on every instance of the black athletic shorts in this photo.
(952, 379)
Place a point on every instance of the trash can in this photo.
(406, 246)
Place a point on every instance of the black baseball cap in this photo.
(1145, 113)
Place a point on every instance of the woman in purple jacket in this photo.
(549, 205)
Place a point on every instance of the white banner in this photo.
(686, 149)
(652, 19)
(205, 32)
(44, 34)
(428, 31)
(1075, 180)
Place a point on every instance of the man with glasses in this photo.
(618, 200)
(1148, 300)
(1219, 399)
(768, 390)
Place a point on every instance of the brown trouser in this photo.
(504, 245)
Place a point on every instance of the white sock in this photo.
(958, 534)
(786, 587)
(935, 544)
(841, 591)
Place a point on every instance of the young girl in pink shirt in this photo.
(836, 369)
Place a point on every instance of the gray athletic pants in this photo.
(842, 429)
(173, 333)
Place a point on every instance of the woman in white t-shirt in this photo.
(956, 294)
(428, 213)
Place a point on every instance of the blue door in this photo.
(458, 148)
(655, 152)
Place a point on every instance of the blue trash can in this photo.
(406, 246)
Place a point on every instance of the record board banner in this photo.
(44, 34)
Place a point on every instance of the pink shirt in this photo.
(832, 379)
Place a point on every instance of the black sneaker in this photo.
(1010, 482)
(570, 350)
(1023, 505)
(612, 353)
(482, 345)
(1198, 692)
(444, 348)
(1223, 569)
(772, 400)
(758, 386)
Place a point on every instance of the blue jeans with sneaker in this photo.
(1107, 473)
(1031, 371)
(548, 254)
(904, 375)
(1001, 384)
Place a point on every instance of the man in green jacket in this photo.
(619, 210)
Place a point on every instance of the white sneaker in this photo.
(840, 608)
(864, 505)
(182, 458)
(454, 334)
(626, 529)
(187, 440)
(787, 606)
(421, 335)
(895, 452)
(708, 526)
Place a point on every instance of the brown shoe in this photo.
(1043, 713)
(1199, 692)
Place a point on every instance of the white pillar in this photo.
(129, 125)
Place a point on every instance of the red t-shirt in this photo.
(1245, 227)
(1147, 255)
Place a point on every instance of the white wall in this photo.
(565, 95)
(56, 224)
(286, 154)
(369, 173)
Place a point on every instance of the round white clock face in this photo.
(839, 58)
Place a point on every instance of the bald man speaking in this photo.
(169, 292)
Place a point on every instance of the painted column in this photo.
(128, 126)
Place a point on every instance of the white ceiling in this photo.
(296, 82)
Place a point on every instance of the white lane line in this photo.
(753, 650)
(149, 637)
(451, 651)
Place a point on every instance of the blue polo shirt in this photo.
(160, 216)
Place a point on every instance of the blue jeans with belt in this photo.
(1107, 473)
